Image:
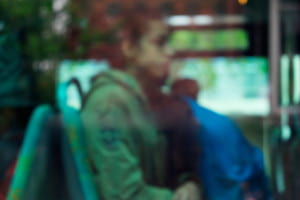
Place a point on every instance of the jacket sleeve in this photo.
(113, 158)
(118, 176)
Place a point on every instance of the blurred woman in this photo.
(147, 58)
(133, 156)
(124, 148)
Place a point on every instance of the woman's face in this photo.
(151, 54)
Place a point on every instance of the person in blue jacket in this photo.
(231, 168)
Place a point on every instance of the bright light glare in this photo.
(59, 4)
(202, 19)
(243, 2)
(186, 20)
(59, 24)
(179, 20)
(286, 133)
(73, 97)
(285, 80)
(296, 96)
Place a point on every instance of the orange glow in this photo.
(243, 2)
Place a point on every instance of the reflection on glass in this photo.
(284, 80)
(209, 40)
(83, 71)
(296, 96)
(229, 85)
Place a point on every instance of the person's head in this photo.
(185, 87)
(143, 41)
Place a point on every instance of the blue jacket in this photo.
(231, 168)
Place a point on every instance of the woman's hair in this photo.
(185, 87)
(134, 23)
(130, 26)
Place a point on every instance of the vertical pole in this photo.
(274, 57)
(274, 52)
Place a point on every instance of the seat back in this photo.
(30, 176)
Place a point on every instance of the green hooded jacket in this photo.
(125, 151)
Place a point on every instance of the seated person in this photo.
(231, 168)
(124, 148)
(145, 57)
(125, 151)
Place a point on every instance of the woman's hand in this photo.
(187, 191)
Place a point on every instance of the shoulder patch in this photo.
(110, 138)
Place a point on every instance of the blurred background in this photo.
(245, 54)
